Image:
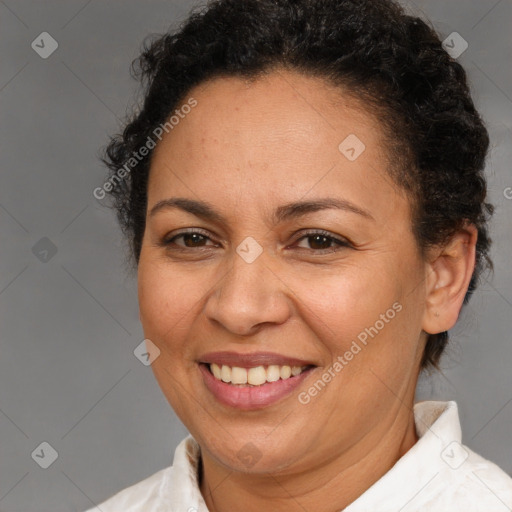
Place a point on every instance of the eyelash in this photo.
(307, 234)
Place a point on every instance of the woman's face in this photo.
(258, 285)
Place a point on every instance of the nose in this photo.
(249, 296)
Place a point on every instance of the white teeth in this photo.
(238, 375)
(216, 370)
(225, 373)
(296, 370)
(285, 372)
(273, 373)
(254, 376)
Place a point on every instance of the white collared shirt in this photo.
(438, 474)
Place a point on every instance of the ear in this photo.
(449, 272)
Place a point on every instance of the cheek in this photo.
(166, 302)
(345, 300)
(166, 297)
(363, 323)
(367, 310)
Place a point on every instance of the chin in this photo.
(251, 456)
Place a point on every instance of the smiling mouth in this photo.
(255, 376)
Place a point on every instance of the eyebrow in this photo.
(285, 212)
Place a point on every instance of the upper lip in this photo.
(252, 359)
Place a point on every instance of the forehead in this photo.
(279, 137)
(280, 108)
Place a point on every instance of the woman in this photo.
(304, 196)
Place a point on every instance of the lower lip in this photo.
(249, 398)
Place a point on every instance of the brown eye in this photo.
(190, 240)
(319, 241)
(322, 241)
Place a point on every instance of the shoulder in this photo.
(483, 481)
(142, 496)
(460, 477)
(439, 473)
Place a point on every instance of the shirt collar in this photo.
(438, 429)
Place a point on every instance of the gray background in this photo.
(69, 325)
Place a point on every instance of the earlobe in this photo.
(449, 272)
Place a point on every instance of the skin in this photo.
(247, 149)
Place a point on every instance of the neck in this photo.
(332, 485)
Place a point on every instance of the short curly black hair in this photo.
(373, 50)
